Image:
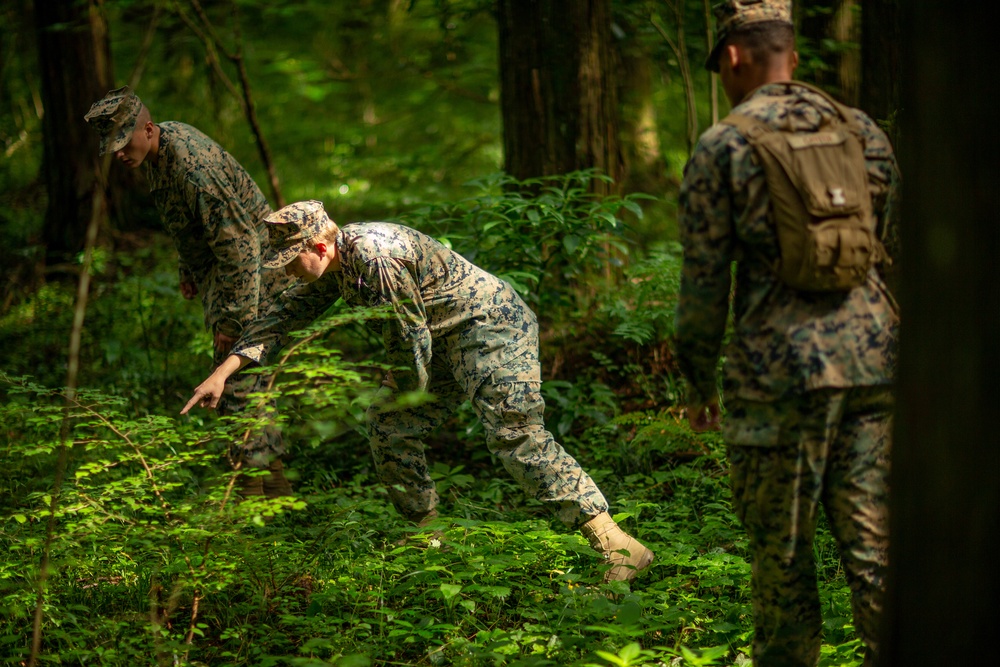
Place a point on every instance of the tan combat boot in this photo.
(272, 485)
(433, 539)
(276, 484)
(426, 519)
(248, 486)
(609, 540)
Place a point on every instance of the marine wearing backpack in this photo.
(820, 204)
(780, 219)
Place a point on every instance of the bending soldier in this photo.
(457, 332)
(214, 212)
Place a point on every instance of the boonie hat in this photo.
(114, 117)
(289, 229)
(733, 14)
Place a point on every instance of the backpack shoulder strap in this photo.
(845, 112)
(751, 128)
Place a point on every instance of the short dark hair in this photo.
(764, 39)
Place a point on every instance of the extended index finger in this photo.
(190, 404)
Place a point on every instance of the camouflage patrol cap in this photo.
(733, 14)
(114, 117)
(290, 228)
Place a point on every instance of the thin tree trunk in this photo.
(713, 78)
(213, 44)
(819, 23)
(679, 47)
(846, 29)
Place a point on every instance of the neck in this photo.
(753, 83)
(154, 145)
(333, 254)
(778, 69)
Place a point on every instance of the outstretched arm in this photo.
(207, 394)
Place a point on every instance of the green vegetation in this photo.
(154, 560)
(152, 557)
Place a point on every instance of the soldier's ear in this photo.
(320, 248)
(732, 55)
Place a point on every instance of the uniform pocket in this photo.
(752, 424)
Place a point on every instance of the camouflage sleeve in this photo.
(883, 172)
(230, 233)
(884, 185)
(296, 308)
(184, 269)
(706, 232)
(406, 335)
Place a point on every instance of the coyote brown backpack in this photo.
(820, 204)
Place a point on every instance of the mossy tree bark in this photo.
(559, 100)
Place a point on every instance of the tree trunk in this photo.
(643, 156)
(828, 36)
(559, 102)
(75, 69)
(880, 62)
(944, 583)
(846, 31)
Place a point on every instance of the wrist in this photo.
(230, 365)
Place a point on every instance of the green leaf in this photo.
(612, 658)
(633, 207)
(354, 660)
(449, 591)
(571, 243)
(629, 613)
(630, 652)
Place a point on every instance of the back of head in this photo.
(293, 228)
(765, 40)
(764, 27)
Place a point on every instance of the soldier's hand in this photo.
(189, 290)
(206, 394)
(224, 343)
(705, 417)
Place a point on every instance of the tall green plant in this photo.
(545, 236)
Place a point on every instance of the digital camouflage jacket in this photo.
(784, 341)
(215, 213)
(442, 305)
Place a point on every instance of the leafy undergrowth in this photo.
(153, 561)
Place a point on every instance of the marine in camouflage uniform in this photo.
(807, 374)
(214, 212)
(456, 332)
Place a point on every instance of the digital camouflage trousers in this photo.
(265, 442)
(509, 404)
(828, 447)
